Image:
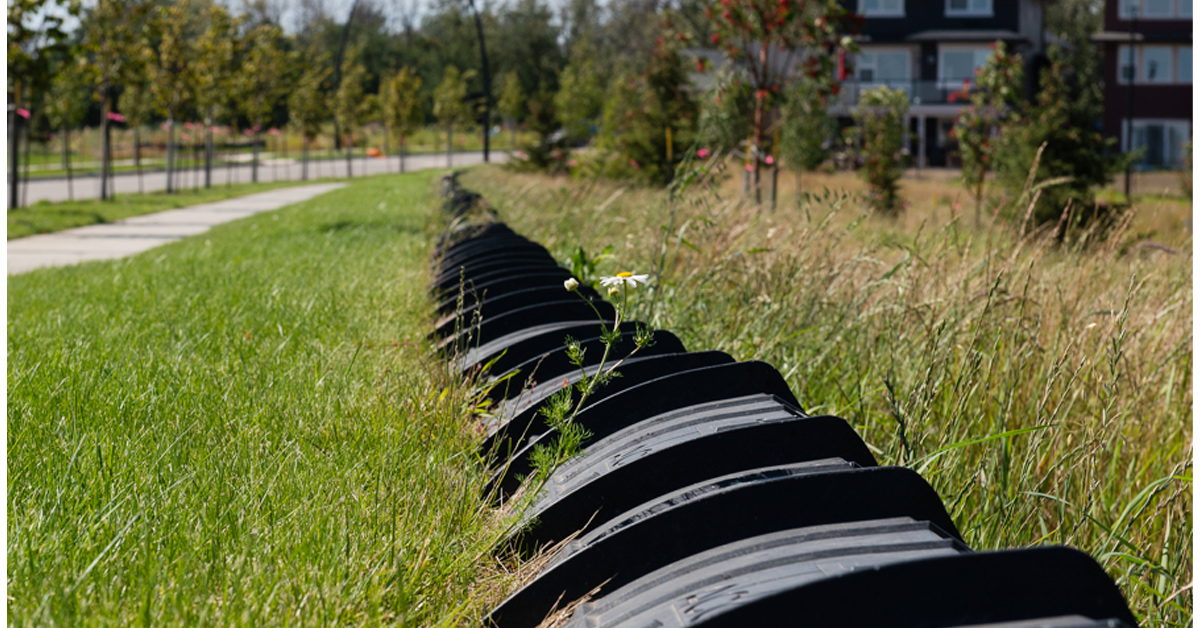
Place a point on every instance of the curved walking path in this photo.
(140, 233)
(270, 169)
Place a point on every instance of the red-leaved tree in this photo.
(777, 41)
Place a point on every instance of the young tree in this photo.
(171, 79)
(652, 119)
(450, 105)
(994, 99)
(403, 108)
(262, 81)
(512, 103)
(66, 104)
(35, 33)
(309, 107)
(136, 104)
(726, 110)
(548, 150)
(350, 103)
(580, 98)
(1076, 157)
(111, 38)
(879, 127)
(756, 33)
(214, 70)
(807, 129)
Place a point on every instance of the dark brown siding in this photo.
(1150, 101)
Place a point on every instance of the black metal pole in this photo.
(14, 153)
(337, 75)
(1129, 100)
(487, 81)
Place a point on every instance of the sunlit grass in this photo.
(244, 428)
(1044, 390)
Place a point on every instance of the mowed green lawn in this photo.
(244, 428)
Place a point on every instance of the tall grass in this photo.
(244, 428)
(1044, 390)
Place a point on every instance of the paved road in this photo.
(137, 234)
(268, 170)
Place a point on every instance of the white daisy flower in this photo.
(571, 284)
(625, 279)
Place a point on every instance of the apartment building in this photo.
(1147, 47)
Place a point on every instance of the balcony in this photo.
(920, 92)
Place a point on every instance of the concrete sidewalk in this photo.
(140, 233)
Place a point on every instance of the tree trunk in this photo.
(760, 115)
(14, 135)
(449, 144)
(137, 157)
(254, 155)
(67, 161)
(512, 126)
(105, 105)
(403, 150)
(979, 201)
(208, 148)
(66, 146)
(25, 180)
(197, 164)
(487, 82)
(170, 153)
(304, 162)
(349, 143)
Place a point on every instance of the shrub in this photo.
(641, 110)
(726, 111)
(880, 131)
(1076, 157)
(804, 140)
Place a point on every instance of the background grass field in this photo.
(248, 427)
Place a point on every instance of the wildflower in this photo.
(624, 279)
(613, 290)
(702, 153)
(571, 284)
(770, 160)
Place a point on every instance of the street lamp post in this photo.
(1129, 97)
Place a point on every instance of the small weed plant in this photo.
(564, 406)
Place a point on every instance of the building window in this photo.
(881, 8)
(958, 64)
(1156, 9)
(1162, 140)
(1125, 65)
(1152, 9)
(884, 67)
(968, 8)
(1156, 66)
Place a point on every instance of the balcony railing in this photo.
(920, 92)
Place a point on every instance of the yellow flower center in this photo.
(625, 275)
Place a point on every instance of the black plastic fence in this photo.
(706, 495)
